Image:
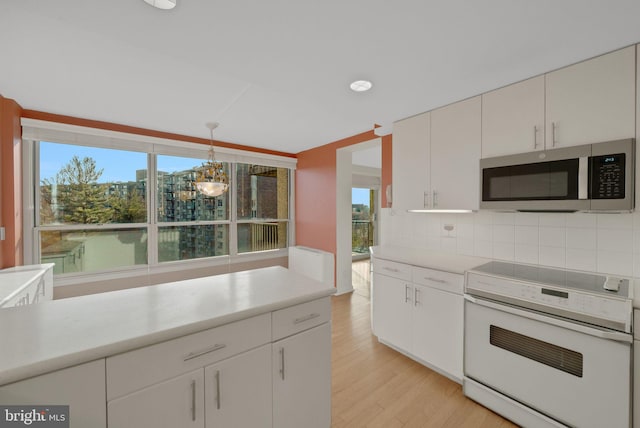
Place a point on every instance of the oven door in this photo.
(578, 375)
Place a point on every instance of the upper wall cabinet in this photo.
(410, 162)
(592, 101)
(513, 118)
(455, 155)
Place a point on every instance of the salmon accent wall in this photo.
(11, 253)
(316, 187)
(386, 168)
(70, 120)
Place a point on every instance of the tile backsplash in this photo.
(606, 243)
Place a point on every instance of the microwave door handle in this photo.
(583, 177)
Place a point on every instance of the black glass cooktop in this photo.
(590, 282)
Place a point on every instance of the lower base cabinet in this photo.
(238, 391)
(419, 312)
(81, 387)
(302, 379)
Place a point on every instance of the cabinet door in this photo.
(81, 387)
(410, 162)
(391, 310)
(302, 379)
(592, 101)
(177, 402)
(455, 154)
(238, 391)
(513, 118)
(437, 329)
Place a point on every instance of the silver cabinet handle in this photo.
(218, 389)
(553, 134)
(214, 348)
(535, 136)
(415, 296)
(441, 281)
(435, 199)
(425, 200)
(406, 293)
(282, 363)
(193, 400)
(306, 318)
(391, 269)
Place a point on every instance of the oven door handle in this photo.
(603, 334)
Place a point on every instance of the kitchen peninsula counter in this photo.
(63, 333)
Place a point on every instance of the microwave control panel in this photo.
(607, 176)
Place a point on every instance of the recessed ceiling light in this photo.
(162, 4)
(361, 85)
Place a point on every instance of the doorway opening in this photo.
(363, 227)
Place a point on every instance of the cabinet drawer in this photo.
(393, 269)
(441, 280)
(142, 367)
(300, 317)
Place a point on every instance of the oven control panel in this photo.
(539, 297)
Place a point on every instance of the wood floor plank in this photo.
(373, 386)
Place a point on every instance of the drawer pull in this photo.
(391, 269)
(306, 318)
(193, 400)
(197, 354)
(282, 363)
(441, 281)
(218, 389)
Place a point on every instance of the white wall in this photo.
(607, 243)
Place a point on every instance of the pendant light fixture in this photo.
(211, 179)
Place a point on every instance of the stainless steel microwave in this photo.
(592, 177)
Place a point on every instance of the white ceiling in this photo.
(275, 74)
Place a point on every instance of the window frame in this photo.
(35, 131)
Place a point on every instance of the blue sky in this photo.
(360, 196)
(118, 165)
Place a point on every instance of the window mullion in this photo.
(152, 198)
(233, 212)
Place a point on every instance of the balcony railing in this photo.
(264, 236)
(361, 236)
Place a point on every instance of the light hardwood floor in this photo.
(375, 386)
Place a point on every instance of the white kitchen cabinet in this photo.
(410, 162)
(302, 379)
(81, 387)
(513, 118)
(438, 323)
(177, 402)
(455, 154)
(421, 317)
(592, 101)
(391, 314)
(238, 391)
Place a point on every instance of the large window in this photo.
(190, 225)
(102, 209)
(93, 208)
(263, 207)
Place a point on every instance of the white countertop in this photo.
(454, 263)
(41, 338)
